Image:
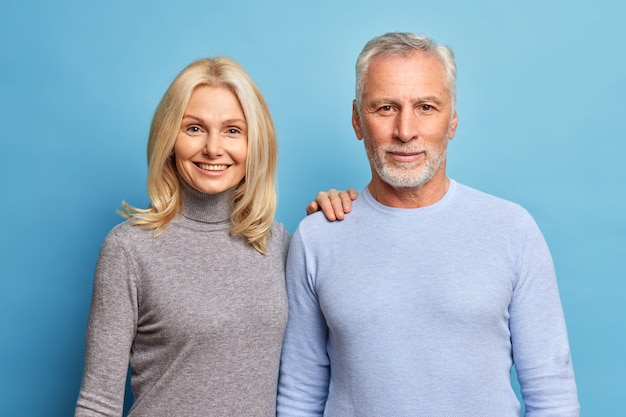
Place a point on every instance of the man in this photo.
(421, 301)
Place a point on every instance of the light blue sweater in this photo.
(423, 312)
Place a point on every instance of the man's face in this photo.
(406, 120)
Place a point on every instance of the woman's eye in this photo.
(233, 131)
(193, 130)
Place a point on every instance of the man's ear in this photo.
(356, 121)
(453, 124)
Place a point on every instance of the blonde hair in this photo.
(254, 199)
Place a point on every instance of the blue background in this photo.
(540, 102)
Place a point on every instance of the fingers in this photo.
(330, 203)
(353, 194)
(346, 199)
(312, 208)
(333, 203)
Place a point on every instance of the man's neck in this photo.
(409, 197)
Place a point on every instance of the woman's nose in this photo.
(212, 144)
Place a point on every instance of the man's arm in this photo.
(304, 367)
(538, 333)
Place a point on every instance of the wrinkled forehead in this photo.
(406, 72)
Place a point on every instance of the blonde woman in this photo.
(190, 292)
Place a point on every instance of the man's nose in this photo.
(407, 125)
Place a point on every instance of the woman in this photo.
(190, 292)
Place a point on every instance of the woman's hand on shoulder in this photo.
(334, 203)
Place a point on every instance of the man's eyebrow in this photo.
(424, 99)
(382, 101)
(391, 101)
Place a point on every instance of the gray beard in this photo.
(403, 175)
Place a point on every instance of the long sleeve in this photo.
(538, 333)
(304, 372)
(110, 332)
(196, 313)
(423, 312)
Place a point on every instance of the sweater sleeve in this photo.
(110, 333)
(304, 372)
(538, 332)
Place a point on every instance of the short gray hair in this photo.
(403, 43)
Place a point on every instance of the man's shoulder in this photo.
(470, 194)
(492, 208)
(317, 221)
(317, 225)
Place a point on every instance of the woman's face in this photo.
(212, 144)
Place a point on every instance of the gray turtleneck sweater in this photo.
(198, 314)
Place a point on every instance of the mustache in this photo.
(406, 148)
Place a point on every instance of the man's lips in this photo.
(405, 156)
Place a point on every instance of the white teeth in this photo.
(208, 167)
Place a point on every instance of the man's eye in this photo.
(385, 109)
(426, 107)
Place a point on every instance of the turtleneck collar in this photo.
(206, 208)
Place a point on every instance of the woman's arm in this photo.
(334, 203)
